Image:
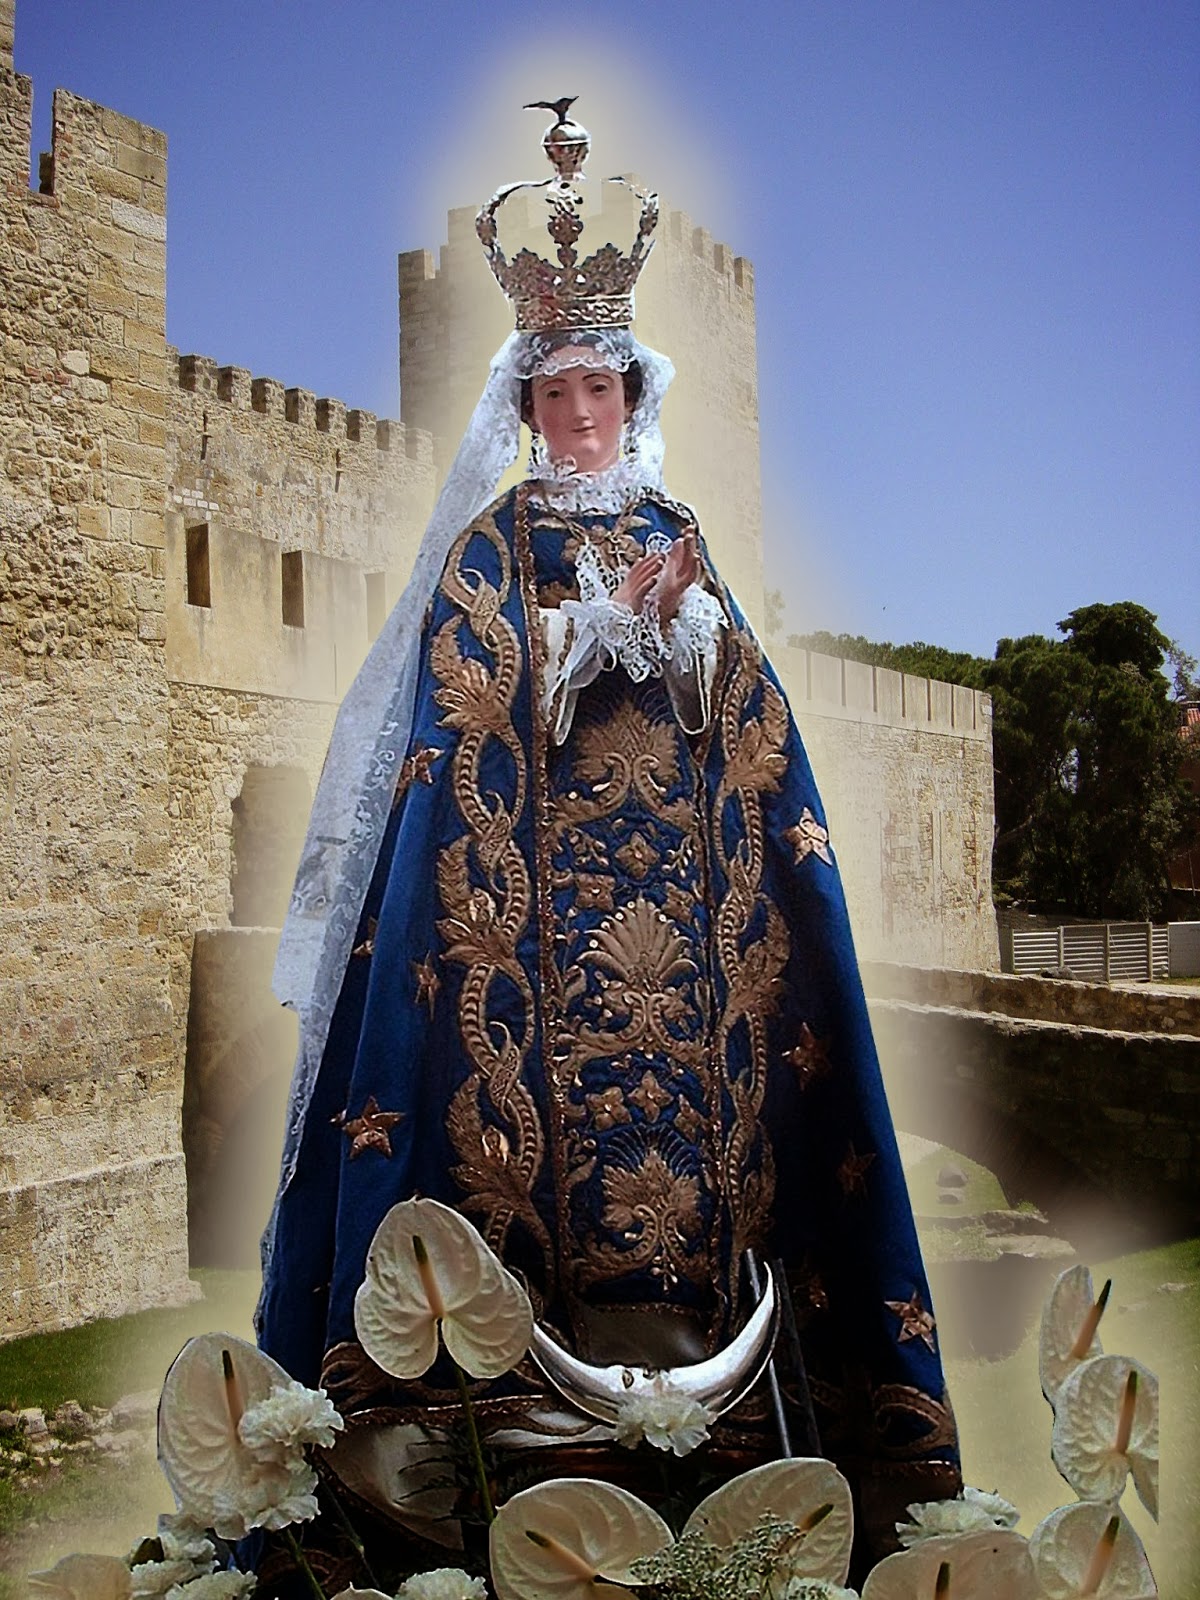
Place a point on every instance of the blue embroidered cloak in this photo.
(604, 1000)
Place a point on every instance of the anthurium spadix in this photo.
(811, 1493)
(428, 1268)
(963, 1566)
(1106, 1427)
(1069, 1322)
(552, 1542)
(1090, 1549)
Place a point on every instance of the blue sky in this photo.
(974, 226)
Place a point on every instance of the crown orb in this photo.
(567, 145)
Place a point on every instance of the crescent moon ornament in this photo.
(717, 1383)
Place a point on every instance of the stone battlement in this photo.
(268, 397)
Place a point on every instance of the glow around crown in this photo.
(565, 293)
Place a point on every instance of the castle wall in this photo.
(265, 470)
(904, 766)
(91, 1168)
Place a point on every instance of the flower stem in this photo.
(301, 1561)
(489, 1510)
(352, 1534)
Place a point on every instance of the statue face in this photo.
(579, 412)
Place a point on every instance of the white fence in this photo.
(1185, 949)
(1098, 952)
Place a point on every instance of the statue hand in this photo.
(680, 571)
(638, 582)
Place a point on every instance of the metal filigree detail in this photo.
(563, 293)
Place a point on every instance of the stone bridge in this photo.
(1082, 1098)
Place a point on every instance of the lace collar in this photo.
(571, 491)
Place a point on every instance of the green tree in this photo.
(1090, 804)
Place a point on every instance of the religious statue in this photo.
(572, 956)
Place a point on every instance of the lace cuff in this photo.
(695, 629)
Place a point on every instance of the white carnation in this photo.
(664, 1417)
(271, 1498)
(975, 1512)
(152, 1579)
(289, 1418)
(216, 1586)
(446, 1583)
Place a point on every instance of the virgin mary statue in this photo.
(570, 949)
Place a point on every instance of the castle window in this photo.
(199, 592)
(293, 588)
(376, 602)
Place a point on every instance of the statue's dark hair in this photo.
(631, 376)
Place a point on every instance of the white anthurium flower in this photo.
(809, 1492)
(445, 1583)
(553, 1541)
(219, 1481)
(1090, 1549)
(82, 1577)
(1069, 1321)
(964, 1566)
(427, 1266)
(361, 1594)
(1105, 1427)
(664, 1417)
(974, 1511)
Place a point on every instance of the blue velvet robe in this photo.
(604, 1000)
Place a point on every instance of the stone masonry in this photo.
(193, 561)
(91, 1168)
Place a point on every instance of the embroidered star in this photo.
(809, 1056)
(608, 1108)
(915, 1321)
(428, 982)
(650, 1097)
(416, 768)
(367, 947)
(371, 1130)
(852, 1172)
(807, 837)
(638, 856)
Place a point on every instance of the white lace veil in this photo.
(371, 734)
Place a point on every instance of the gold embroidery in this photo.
(657, 1213)
(807, 837)
(650, 1097)
(751, 935)
(428, 982)
(608, 1108)
(915, 1321)
(370, 1130)
(809, 1056)
(852, 1172)
(415, 768)
(367, 947)
(638, 856)
(485, 893)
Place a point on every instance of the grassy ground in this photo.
(87, 1503)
